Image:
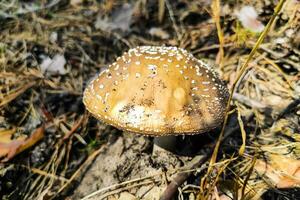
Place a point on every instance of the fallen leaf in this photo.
(53, 37)
(248, 17)
(282, 171)
(11, 147)
(120, 19)
(56, 65)
(5, 136)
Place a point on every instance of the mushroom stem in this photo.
(166, 142)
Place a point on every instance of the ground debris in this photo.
(283, 172)
(50, 50)
(10, 147)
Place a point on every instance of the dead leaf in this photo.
(120, 19)
(5, 136)
(282, 171)
(248, 17)
(11, 147)
(55, 65)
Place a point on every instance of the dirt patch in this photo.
(50, 50)
(129, 158)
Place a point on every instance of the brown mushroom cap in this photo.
(158, 91)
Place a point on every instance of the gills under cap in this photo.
(158, 91)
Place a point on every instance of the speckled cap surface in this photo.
(158, 91)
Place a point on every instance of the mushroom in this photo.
(158, 91)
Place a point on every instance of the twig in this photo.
(216, 10)
(195, 163)
(240, 75)
(15, 93)
(211, 47)
(80, 169)
(249, 102)
(171, 14)
(44, 173)
(238, 79)
(76, 125)
(119, 185)
(118, 191)
(161, 10)
(181, 177)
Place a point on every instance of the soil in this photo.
(52, 148)
(131, 157)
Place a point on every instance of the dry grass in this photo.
(263, 77)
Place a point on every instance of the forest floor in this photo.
(52, 148)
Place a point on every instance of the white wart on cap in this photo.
(158, 91)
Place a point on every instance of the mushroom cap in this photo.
(158, 91)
